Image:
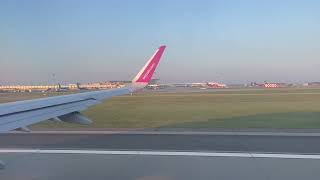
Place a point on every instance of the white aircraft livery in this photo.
(19, 115)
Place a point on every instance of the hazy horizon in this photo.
(226, 41)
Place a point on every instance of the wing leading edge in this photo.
(66, 108)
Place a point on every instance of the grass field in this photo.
(273, 108)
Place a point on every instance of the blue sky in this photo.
(97, 40)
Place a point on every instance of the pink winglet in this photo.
(145, 74)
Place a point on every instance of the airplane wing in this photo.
(18, 115)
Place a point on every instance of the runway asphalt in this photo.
(137, 167)
(166, 142)
(160, 156)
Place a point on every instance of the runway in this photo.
(160, 156)
(167, 142)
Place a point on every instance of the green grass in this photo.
(276, 108)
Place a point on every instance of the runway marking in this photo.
(165, 153)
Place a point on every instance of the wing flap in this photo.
(21, 119)
(75, 117)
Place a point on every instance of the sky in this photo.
(230, 41)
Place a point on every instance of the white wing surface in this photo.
(18, 115)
